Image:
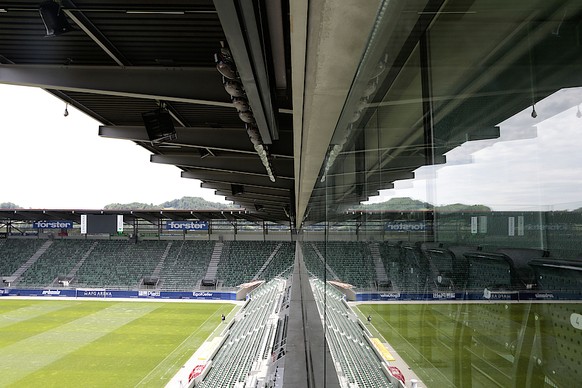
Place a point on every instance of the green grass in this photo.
(478, 344)
(100, 344)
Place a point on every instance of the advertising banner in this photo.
(406, 226)
(187, 225)
(52, 225)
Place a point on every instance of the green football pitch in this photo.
(482, 344)
(100, 344)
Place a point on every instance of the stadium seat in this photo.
(415, 267)
(392, 257)
(16, 252)
(358, 363)
(450, 266)
(558, 341)
(240, 260)
(558, 275)
(504, 269)
(58, 260)
(247, 339)
(185, 265)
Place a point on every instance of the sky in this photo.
(535, 164)
(50, 161)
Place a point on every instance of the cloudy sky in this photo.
(50, 161)
(536, 164)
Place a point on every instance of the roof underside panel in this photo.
(125, 58)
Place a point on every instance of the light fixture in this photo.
(355, 117)
(225, 67)
(578, 113)
(231, 82)
(247, 117)
(225, 52)
(234, 88)
(534, 114)
(54, 19)
(241, 104)
(380, 67)
(66, 113)
(254, 135)
(370, 88)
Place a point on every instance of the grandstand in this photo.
(249, 341)
(180, 265)
(184, 265)
(356, 361)
(252, 348)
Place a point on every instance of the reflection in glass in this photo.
(454, 174)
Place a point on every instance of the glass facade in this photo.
(460, 142)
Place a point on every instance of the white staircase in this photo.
(381, 276)
(18, 273)
(268, 261)
(327, 267)
(212, 270)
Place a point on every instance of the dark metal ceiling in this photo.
(125, 58)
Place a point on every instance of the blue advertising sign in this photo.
(406, 226)
(52, 225)
(94, 293)
(187, 225)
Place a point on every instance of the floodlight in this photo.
(247, 117)
(225, 67)
(234, 88)
(241, 104)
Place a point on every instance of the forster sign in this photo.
(52, 225)
(187, 225)
(405, 226)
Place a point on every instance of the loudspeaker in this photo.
(237, 189)
(54, 19)
(159, 125)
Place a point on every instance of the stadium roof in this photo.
(304, 66)
(125, 58)
(153, 216)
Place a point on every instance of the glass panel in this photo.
(454, 174)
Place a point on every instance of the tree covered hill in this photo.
(184, 203)
(190, 203)
(407, 204)
(9, 205)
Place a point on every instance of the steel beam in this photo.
(189, 85)
(245, 43)
(283, 168)
(226, 177)
(217, 139)
(94, 33)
